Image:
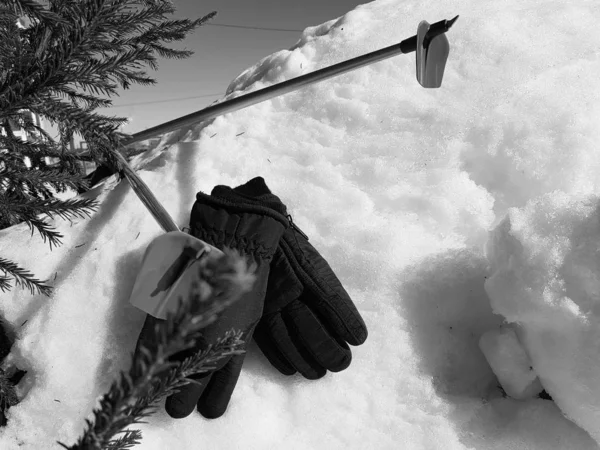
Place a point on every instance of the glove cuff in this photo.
(249, 218)
(253, 192)
(254, 196)
(253, 188)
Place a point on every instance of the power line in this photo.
(166, 101)
(206, 95)
(250, 28)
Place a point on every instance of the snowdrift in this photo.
(398, 187)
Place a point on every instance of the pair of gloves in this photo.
(298, 312)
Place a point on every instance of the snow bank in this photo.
(398, 187)
(545, 276)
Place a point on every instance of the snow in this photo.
(399, 188)
(546, 277)
(510, 362)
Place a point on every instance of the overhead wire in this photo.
(205, 95)
(250, 28)
(167, 100)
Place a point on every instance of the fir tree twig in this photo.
(152, 375)
(61, 61)
(22, 277)
(17, 212)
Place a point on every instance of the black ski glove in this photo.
(308, 316)
(253, 225)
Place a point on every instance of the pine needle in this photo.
(151, 376)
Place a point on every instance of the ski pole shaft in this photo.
(406, 46)
(267, 93)
(142, 190)
(146, 196)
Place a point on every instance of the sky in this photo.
(462, 221)
(220, 54)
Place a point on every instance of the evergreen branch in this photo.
(73, 117)
(45, 230)
(173, 30)
(69, 55)
(18, 146)
(93, 84)
(35, 10)
(89, 100)
(7, 128)
(22, 277)
(110, 63)
(129, 440)
(65, 209)
(35, 189)
(126, 76)
(4, 284)
(41, 133)
(43, 42)
(116, 67)
(168, 31)
(8, 18)
(103, 144)
(16, 211)
(170, 53)
(26, 123)
(151, 375)
(37, 179)
(21, 118)
(35, 151)
(138, 20)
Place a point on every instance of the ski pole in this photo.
(431, 47)
(427, 68)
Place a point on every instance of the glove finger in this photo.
(330, 300)
(213, 403)
(276, 331)
(182, 404)
(270, 349)
(283, 285)
(310, 333)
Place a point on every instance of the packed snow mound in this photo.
(545, 276)
(397, 187)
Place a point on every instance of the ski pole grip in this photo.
(410, 45)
